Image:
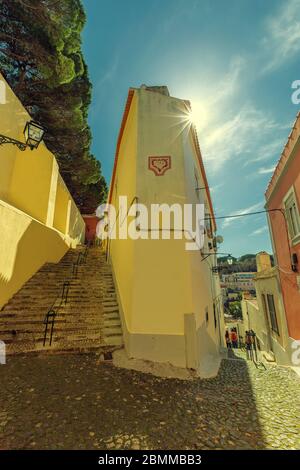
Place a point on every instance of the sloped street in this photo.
(77, 402)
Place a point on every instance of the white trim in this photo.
(291, 194)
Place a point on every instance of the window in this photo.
(215, 316)
(272, 313)
(292, 214)
(264, 303)
(206, 315)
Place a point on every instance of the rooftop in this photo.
(162, 89)
(288, 148)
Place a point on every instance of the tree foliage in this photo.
(248, 257)
(235, 310)
(246, 263)
(41, 58)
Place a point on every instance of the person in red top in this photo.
(234, 338)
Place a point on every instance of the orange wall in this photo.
(90, 226)
(290, 289)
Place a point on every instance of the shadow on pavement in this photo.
(74, 402)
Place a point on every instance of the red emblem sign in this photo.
(159, 165)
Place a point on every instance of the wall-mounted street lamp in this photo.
(229, 257)
(217, 269)
(33, 132)
(229, 260)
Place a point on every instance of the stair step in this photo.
(109, 308)
(58, 348)
(112, 322)
(114, 341)
(111, 316)
(88, 321)
(112, 330)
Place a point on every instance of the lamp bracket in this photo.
(8, 140)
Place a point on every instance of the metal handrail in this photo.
(80, 260)
(253, 352)
(49, 320)
(65, 292)
(75, 270)
(53, 311)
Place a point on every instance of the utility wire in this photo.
(282, 212)
(244, 215)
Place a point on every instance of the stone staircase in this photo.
(88, 320)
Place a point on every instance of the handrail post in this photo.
(52, 328)
(75, 269)
(51, 313)
(45, 332)
(65, 292)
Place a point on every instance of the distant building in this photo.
(91, 222)
(278, 287)
(254, 317)
(239, 281)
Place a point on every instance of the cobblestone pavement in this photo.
(76, 402)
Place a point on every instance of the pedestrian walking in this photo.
(234, 338)
(227, 339)
(248, 343)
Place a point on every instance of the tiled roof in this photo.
(292, 138)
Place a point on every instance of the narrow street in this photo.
(76, 402)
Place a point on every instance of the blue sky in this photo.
(235, 60)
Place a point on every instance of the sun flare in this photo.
(198, 115)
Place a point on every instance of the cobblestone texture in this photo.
(76, 402)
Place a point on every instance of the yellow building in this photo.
(171, 303)
(273, 336)
(39, 220)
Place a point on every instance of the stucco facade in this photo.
(91, 222)
(274, 339)
(170, 300)
(39, 220)
(278, 287)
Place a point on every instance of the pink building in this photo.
(282, 309)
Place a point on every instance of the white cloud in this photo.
(109, 73)
(216, 187)
(247, 210)
(261, 171)
(238, 137)
(282, 39)
(230, 83)
(259, 231)
(264, 171)
(269, 150)
(206, 105)
(100, 88)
